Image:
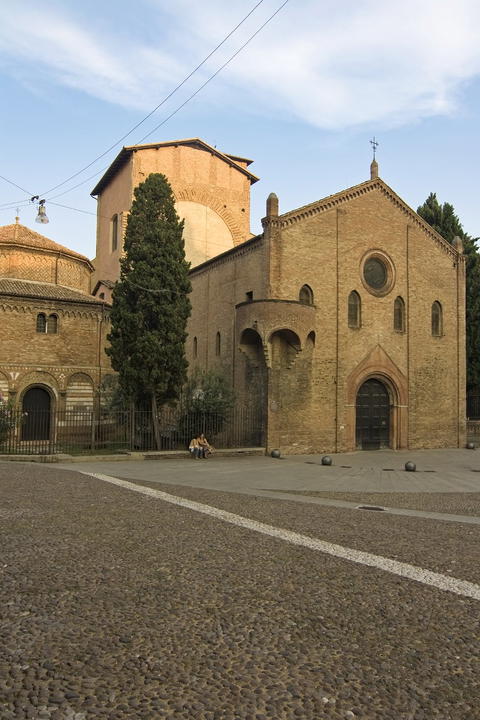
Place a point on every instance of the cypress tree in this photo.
(150, 303)
(444, 220)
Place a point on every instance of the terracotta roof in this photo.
(44, 291)
(106, 283)
(126, 152)
(18, 234)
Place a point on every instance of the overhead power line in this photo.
(232, 57)
(165, 120)
(15, 184)
(165, 99)
(242, 47)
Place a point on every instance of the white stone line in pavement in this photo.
(427, 577)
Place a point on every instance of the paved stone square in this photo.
(120, 605)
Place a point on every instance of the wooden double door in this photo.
(373, 416)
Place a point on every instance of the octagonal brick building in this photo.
(53, 330)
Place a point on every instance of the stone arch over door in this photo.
(380, 367)
(37, 405)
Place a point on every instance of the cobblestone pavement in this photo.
(116, 605)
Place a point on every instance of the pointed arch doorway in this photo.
(372, 416)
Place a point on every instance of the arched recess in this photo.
(205, 232)
(284, 346)
(379, 366)
(252, 377)
(305, 295)
(309, 345)
(79, 392)
(399, 315)
(437, 319)
(37, 404)
(252, 346)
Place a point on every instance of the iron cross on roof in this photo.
(374, 145)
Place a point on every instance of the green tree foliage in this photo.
(150, 303)
(111, 397)
(207, 400)
(8, 418)
(444, 220)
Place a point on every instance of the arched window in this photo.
(52, 324)
(354, 310)
(218, 342)
(41, 323)
(306, 295)
(437, 320)
(114, 232)
(399, 315)
(195, 347)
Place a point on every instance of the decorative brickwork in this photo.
(303, 364)
(47, 279)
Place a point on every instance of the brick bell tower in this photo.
(212, 193)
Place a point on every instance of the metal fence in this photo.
(98, 431)
(473, 406)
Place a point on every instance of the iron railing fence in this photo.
(87, 431)
(473, 406)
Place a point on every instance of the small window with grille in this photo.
(52, 324)
(41, 326)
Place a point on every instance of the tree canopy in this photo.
(150, 303)
(444, 220)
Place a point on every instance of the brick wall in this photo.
(52, 359)
(313, 362)
(199, 179)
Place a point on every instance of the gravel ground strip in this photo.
(116, 606)
(448, 548)
(452, 503)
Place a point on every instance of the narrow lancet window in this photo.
(354, 310)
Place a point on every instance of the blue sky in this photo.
(302, 99)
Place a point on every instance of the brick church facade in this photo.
(53, 331)
(342, 323)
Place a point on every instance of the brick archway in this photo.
(191, 194)
(379, 366)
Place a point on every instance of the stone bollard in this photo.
(410, 466)
(326, 460)
(470, 446)
(275, 453)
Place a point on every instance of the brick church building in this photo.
(53, 331)
(343, 321)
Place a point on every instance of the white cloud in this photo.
(330, 64)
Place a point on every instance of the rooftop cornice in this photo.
(126, 152)
(341, 198)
